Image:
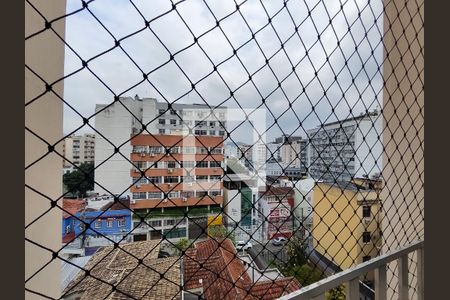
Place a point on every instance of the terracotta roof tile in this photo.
(224, 276)
(72, 206)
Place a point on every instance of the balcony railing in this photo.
(350, 277)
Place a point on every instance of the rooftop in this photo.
(121, 268)
(72, 206)
(224, 275)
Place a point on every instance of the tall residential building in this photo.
(294, 153)
(346, 149)
(117, 123)
(181, 188)
(78, 149)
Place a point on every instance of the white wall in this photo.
(116, 126)
(365, 162)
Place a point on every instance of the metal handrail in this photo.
(351, 275)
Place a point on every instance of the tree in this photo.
(338, 293)
(305, 274)
(182, 245)
(77, 182)
(296, 249)
(297, 265)
(219, 232)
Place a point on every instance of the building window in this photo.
(366, 258)
(215, 177)
(202, 164)
(162, 131)
(212, 132)
(162, 121)
(201, 132)
(121, 222)
(366, 237)
(189, 150)
(212, 123)
(109, 223)
(214, 193)
(216, 150)
(139, 180)
(140, 195)
(67, 229)
(156, 223)
(170, 222)
(202, 150)
(154, 195)
(154, 179)
(214, 164)
(200, 123)
(98, 224)
(173, 112)
(171, 164)
(162, 111)
(202, 178)
(188, 164)
(154, 149)
(171, 179)
(173, 122)
(366, 211)
(221, 132)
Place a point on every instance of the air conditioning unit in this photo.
(138, 186)
(169, 185)
(142, 154)
(184, 199)
(170, 170)
(366, 221)
(165, 200)
(132, 201)
(152, 154)
(190, 183)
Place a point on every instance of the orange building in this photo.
(175, 178)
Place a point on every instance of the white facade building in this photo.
(346, 149)
(78, 149)
(117, 125)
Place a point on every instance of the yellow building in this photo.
(346, 221)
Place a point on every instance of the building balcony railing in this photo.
(350, 277)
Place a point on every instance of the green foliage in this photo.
(296, 249)
(304, 274)
(338, 293)
(219, 232)
(297, 265)
(77, 182)
(182, 245)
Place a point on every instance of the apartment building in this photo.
(280, 202)
(346, 149)
(346, 221)
(78, 149)
(176, 184)
(117, 122)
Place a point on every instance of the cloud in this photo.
(320, 65)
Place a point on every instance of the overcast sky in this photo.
(88, 38)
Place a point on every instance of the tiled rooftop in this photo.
(115, 267)
(224, 275)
